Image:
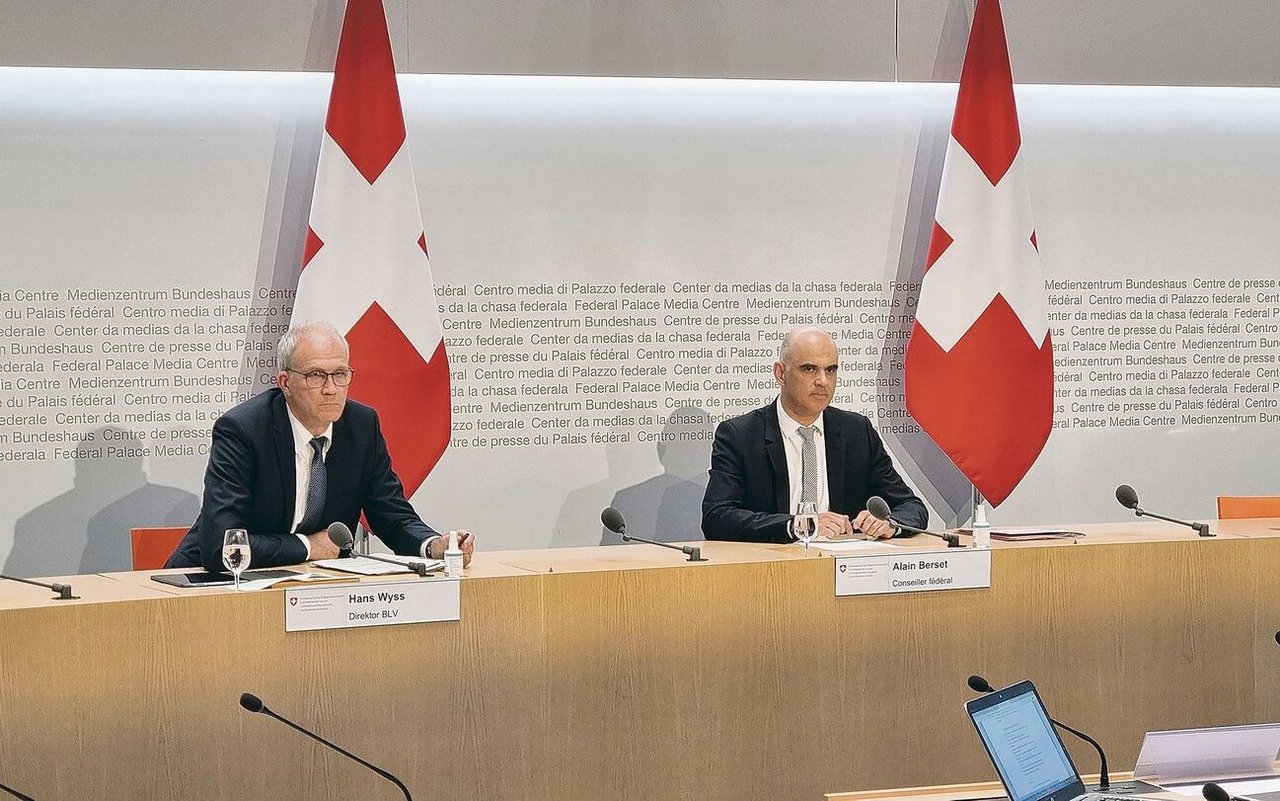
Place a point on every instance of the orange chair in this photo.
(153, 546)
(1234, 507)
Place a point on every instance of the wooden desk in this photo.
(627, 673)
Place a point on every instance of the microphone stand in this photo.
(63, 590)
(384, 774)
(342, 538)
(952, 540)
(981, 685)
(1104, 778)
(1201, 528)
(15, 793)
(692, 551)
(417, 567)
(877, 508)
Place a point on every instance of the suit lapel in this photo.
(777, 459)
(282, 438)
(835, 460)
(342, 449)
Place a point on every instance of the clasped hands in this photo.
(835, 526)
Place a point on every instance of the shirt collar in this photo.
(788, 424)
(302, 437)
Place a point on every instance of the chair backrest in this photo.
(153, 546)
(1234, 507)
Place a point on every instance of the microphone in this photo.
(1128, 498)
(63, 590)
(981, 685)
(253, 703)
(880, 511)
(340, 536)
(613, 521)
(1215, 792)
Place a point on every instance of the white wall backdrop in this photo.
(185, 185)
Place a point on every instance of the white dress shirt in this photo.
(793, 444)
(302, 473)
(302, 453)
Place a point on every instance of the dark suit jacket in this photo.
(251, 479)
(748, 494)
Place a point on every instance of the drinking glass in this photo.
(235, 552)
(804, 525)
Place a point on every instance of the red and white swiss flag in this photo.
(979, 365)
(365, 265)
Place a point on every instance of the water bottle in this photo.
(453, 557)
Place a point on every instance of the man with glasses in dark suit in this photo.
(288, 462)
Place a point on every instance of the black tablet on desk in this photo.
(204, 579)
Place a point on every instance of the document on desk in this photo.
(296, 578)
(1026, 533)
(850, 546)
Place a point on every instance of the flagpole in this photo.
(981, 528)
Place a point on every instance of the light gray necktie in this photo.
(808, 466)
(317, 489)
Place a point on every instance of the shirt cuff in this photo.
(425, 550)
(306, 543)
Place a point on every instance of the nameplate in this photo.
(926, 571)
(372, 604)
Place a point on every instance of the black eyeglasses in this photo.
(317, 378)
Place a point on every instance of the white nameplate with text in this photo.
(372, 604)
(926, 571)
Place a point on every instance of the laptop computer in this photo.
(1026, 750)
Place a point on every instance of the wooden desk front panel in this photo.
(713, 681)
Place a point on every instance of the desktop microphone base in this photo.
(1131, 787)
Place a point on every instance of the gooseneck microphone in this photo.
(340, 536)
(613, 521)
(880, 511)
(15, 793)
(253, 703)
(63, 590)
(1128, 498)
(981, 685)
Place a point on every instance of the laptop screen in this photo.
(1023, 745)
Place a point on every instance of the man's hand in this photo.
(834, 525)
(873, 528)
(466, 544)
(321, 546)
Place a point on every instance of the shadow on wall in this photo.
(86, 529)
(668, 507)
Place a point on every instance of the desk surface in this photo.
(88, 589)
(627, 673)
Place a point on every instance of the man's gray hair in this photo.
(289, 342)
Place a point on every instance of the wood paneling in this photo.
(740, 678)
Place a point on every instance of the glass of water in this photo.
(804, 525)
(235, 552)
